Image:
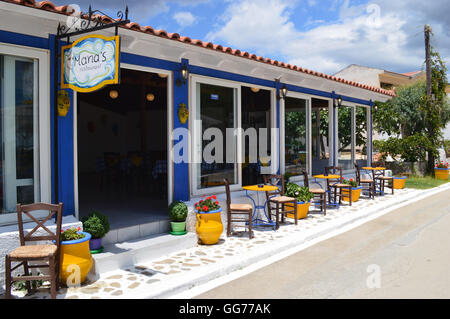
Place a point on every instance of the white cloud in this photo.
(372, 35)
(184, 19)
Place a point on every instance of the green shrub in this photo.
(96, 224)
(178, 211)
(302, 194)
(410, 149)
(103, 220)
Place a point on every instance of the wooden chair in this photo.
(236, 212)
(279, 200)
(363, 182)
(32, 253)
(319, 193)
(381, 177)
(335, 186)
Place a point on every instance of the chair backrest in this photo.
(274, 180)
(333, 170)
(357, 173)
(27, 210)
(305, 179)
(227, 190)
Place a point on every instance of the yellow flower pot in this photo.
(209, 227)
(356, 192)
(441, 173)
(75, 260)
(399, 182)
(302, 210)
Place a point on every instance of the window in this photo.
(215, 144)
(256, 125)
(320, 135)
(295, 135)
(345, 135)
(361, 135)
(19, 166)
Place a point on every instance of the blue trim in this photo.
(24, 40)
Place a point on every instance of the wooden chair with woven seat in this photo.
(319, 193)
(238, 213)
(365, 181)
(279, 200)
(381, 177)
(32, 253)
(335, 184)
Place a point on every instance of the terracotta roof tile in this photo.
(49, 6)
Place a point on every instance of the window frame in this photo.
(41, 62)
(237, 86)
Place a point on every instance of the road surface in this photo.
(403, 254)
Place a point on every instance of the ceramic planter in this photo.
(356, 192)
(178, 228)
(209, 226)
(302, 210)
(95, 244)
(399, 182)
(75, 252)
(441, 173)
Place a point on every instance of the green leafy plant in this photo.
(96, 224)
(206, 205)
(302, 194)
(71, 234)
(350, 182)
(21, 285)
(178, 211)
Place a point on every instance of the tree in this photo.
(414, 113)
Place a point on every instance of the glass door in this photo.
(19, 132)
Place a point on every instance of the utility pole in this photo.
(428, 31)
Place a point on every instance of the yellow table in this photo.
(256, 188)
(329, 176)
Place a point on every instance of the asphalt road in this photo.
(403, 254)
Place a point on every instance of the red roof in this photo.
(411, 74)
(49, 6)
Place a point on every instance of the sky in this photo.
(324, 36)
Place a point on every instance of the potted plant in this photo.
(441, 170)
(356, 190)
(209, 225)
(97, 225)
(178, 212)
(399, 182)
(303, 196)
(74, 251)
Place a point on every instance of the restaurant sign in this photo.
(90, 63)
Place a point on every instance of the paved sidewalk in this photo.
(178, 272)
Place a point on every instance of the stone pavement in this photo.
(185, 269)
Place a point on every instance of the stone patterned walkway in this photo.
(148, 279)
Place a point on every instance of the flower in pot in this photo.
(97, 225)
(441, 170)
(178, 212)
(209, 225)
(303, 196)
(356, 190)
(75, 256)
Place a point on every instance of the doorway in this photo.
(122, 149)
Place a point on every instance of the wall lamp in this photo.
(339, 101)
(282, 92)
(184, 75)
